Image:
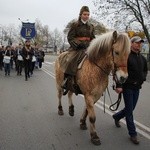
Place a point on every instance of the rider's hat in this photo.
(84, 8)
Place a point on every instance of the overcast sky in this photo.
(54, 13)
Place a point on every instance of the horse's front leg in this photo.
(71, 106)
(83, 125)
(92, 118)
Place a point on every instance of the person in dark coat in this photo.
(41, 55)
(19, 60)
(7, 64)
(13, 58)
(79, 37)
(1, 57)
(27, 54)
(137, 72)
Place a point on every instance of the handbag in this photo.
(33, 59)
(20, 58)
(6, 59)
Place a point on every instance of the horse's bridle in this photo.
(115, 66)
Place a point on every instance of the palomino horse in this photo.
(108, 52)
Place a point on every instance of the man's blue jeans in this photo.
(130, 99)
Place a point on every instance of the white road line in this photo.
(142, 128)
(49, 73)
(137, 123)
(123, 121)
(50, 63)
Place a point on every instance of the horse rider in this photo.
(79, 37)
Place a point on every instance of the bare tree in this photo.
(50, 39)
(56, 39)
(99, 27)
(9, 35)
(123, 13)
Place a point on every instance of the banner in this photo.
(28, 30)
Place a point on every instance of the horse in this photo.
(107, 53)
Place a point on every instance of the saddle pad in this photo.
(81, 63)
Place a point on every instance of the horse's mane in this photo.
(102, 44)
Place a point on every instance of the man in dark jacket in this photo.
(137, 72)
(79, 37)
(1, 57)
(27, 54)
(19, 59)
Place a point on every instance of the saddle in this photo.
(70, 83)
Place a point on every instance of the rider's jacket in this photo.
(80, 35)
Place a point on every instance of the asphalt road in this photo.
(29, 119)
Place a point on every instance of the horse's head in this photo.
(120, 52)
(110, 51)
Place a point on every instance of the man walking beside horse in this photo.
(137, 72)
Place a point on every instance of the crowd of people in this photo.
(21, 57)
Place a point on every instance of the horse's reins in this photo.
(100, 68)
(119, 95)
(117, 102)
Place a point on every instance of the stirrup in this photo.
(65, 92)
(64, 85)
(76, 89)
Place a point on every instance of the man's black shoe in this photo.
(134, 140)
(117, 123)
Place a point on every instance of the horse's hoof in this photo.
(60, 112)
(71, 113)
(83, 126)
(96, 141)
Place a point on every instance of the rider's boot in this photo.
(67, 79)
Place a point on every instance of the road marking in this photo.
(49, 73)
(138, 123)
(141, 129)
(50, 63)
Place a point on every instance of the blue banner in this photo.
(28, 30)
